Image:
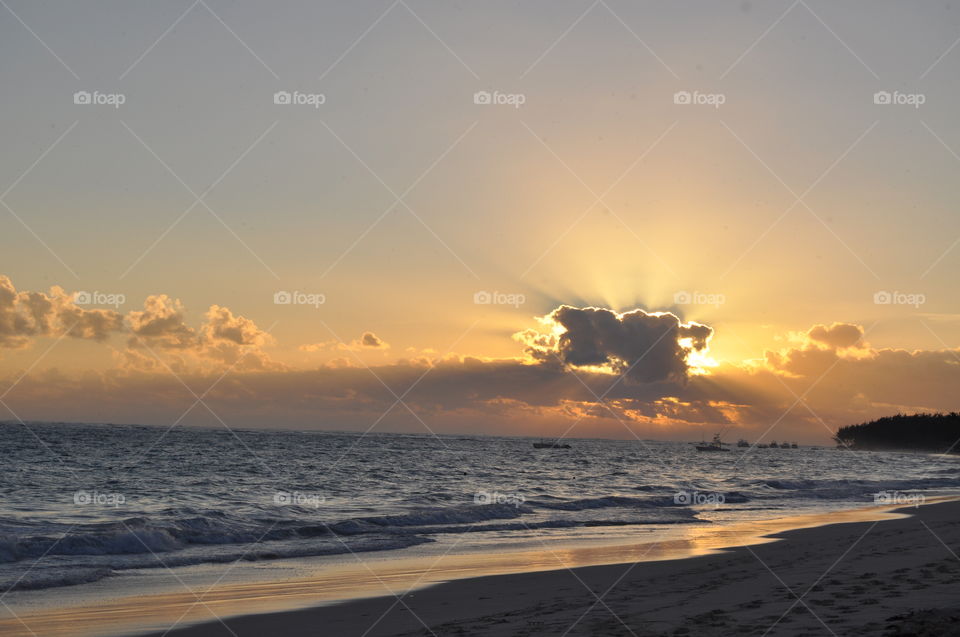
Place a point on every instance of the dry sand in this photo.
(895, 577)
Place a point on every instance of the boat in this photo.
(550, 445)
(784, 445)
(713, 445)
(774, 444)
(743, 443)
(760, 445)
(793, 445)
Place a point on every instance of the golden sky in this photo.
(399, 215)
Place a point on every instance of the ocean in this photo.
(83, 503)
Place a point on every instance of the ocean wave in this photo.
(177, 531)
(142, 535)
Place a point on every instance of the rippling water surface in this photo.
(93, 501)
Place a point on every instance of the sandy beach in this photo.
(896, 576)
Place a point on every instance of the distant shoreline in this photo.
(923, 433)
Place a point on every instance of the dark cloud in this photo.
(837, 336)
(369, 339)
(644, 347)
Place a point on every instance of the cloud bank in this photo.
(588, 371)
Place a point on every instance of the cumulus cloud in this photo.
(26, 314)
(223, 339)
(161, 324)
(223, 325)
(159, 330)
(644, 346)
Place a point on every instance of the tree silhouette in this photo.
(918, 432)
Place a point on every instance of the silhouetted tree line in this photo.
(917, 432)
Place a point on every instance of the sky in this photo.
(616, 219)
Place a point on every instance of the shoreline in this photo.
(851, 576)
(449, 589)
(333, 589)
